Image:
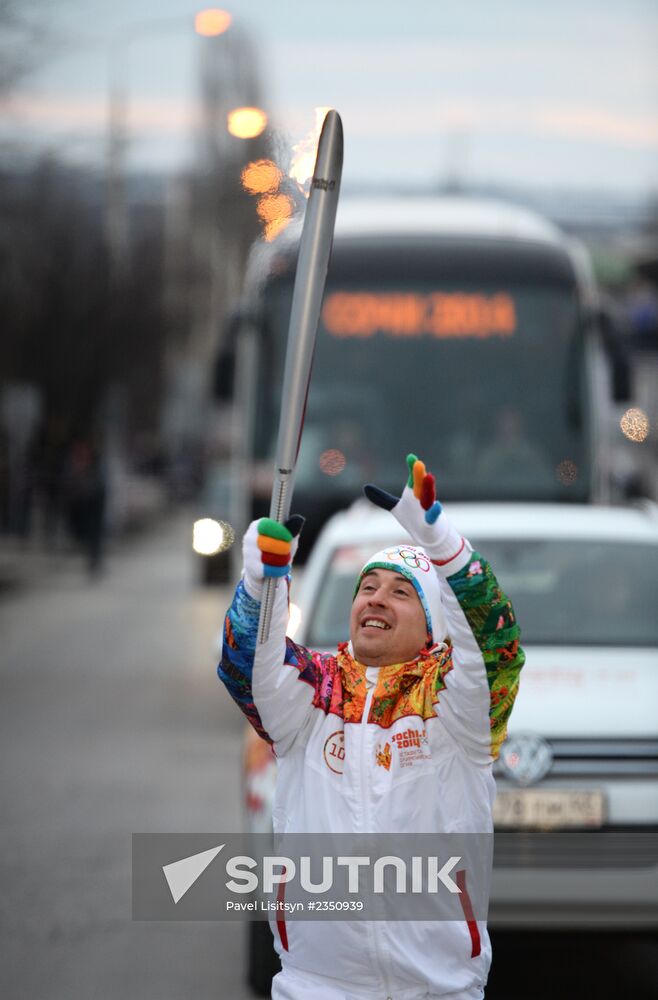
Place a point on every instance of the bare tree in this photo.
(68, 333)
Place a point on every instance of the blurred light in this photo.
(212, 21)
(294, 621)
(261, 177)
(332, 462)
(246, 123)
(210, 536)
(305, 152)
(275, 211)
(635, 425)
(273, 228)
(567, 472)
(274, 206)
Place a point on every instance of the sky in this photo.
(549, 93)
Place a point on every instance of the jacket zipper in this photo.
(366, 809)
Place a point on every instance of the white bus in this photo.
(466, 331)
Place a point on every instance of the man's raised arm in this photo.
(482, 628)
(267, 681)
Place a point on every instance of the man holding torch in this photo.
(434, 647)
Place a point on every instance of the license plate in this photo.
(544, 809)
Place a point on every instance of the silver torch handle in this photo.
(310, 277)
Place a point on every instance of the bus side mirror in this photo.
(224, 376)
(614, 338)
(224, 365)
(223, 383)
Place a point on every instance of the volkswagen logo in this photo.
(525, 758)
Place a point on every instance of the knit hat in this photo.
(415, 564)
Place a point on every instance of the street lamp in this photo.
(212, 21)
(117, 216)
(247, 123)
(209, 22)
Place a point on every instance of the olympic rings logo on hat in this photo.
(410, 557)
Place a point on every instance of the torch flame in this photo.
(304, 153)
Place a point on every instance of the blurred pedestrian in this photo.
(86, 495)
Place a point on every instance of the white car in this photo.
(577, 804)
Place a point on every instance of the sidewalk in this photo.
(38, 560)
(29, 561)
(137, 505)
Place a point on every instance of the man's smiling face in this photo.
(387, 623)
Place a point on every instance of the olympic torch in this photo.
(312, 264)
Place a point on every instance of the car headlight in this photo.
(294, 620)
(210, 536)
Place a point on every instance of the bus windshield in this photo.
(482, 379)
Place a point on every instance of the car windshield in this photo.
(564, 592)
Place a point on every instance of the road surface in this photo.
(113, 722)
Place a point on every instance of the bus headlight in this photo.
(210, 536)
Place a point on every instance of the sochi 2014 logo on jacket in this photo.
(408, 747)
(383, 756)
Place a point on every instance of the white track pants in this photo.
(293, 984)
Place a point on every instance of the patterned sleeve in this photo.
(491, 619)
(237, 663)
(236, 671)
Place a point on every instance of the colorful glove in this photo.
(420, 513)
(268, 549)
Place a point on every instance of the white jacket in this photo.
(418, 759)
